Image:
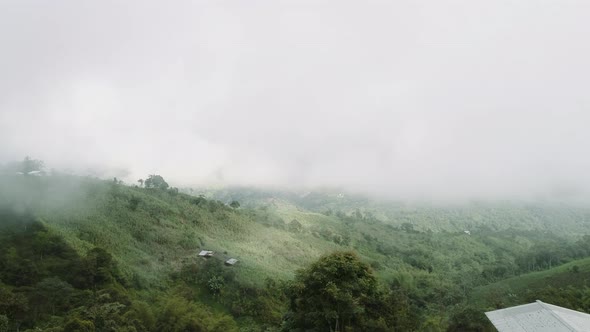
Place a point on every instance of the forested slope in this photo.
(560, 285)
(129, 250)
(547, 215)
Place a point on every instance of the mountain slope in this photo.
(535, 285)
(154, 235)
(548, 216)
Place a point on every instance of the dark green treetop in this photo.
(156, 181)
(336, 293)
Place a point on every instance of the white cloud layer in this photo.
(433, 99)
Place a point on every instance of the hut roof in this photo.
(539, 317)
(231, 261)
(206, 253)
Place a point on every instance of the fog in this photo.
(408, 99)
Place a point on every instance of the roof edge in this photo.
(542, 304)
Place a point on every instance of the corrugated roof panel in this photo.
(579, 321)
(539, 317)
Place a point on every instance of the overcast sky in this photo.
(405, 98)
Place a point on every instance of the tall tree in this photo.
(29, 165)
(336, 293)
(156, 181)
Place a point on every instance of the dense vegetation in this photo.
(340, 293)
(81, 254)
(47, 285)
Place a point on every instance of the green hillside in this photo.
(153, 232)
(428, 274)
(563, 218)
(534, 286)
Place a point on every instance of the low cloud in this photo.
(415, 100)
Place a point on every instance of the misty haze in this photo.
(294, 166)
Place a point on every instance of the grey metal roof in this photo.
(539, 317)
(231, 261)
(205, 253)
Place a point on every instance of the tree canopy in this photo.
(25, 166)
(336, 293)
(156, 181)
(30, 165)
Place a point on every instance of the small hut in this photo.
(206, 253)
(231, 262)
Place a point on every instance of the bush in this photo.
(134, 202)
(4, 323)
(78, 325)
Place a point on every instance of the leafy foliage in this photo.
(338, 293)
(156, 181)
(25, 166)
(67, 292)
(101, 255)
